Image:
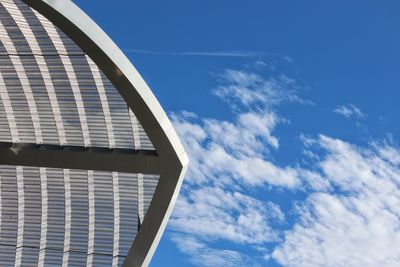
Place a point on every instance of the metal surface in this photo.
(171, 161)
(53, 93)
(70, 157)
(69, 217)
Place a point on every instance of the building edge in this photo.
(116, 66)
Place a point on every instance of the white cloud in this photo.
(212, 213)
(227, 159)
(235, 151)
(242, 89)
(349, 111)
(205, 255)
(241, 137)
(358, 223)
(350, 216)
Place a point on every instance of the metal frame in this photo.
(75, 157)
(171, 161)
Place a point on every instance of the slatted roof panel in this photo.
(53, 93)
(80, 217)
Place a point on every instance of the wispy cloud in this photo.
(358, 223)
(349, 111)
(232, 53)
(229, 158)
(350, 213)
(233, 216)
(243, 89)
(237, 149)
(208, 256)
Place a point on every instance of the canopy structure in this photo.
(90, 165)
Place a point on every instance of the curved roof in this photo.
(106, 64)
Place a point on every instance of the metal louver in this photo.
(90, 166)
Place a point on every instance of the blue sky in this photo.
(289, 112)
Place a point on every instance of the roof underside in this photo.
(51, 216)
(56, 100)
(53, 93)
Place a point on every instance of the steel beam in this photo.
(75, 157)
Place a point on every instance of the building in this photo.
(90, 165)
